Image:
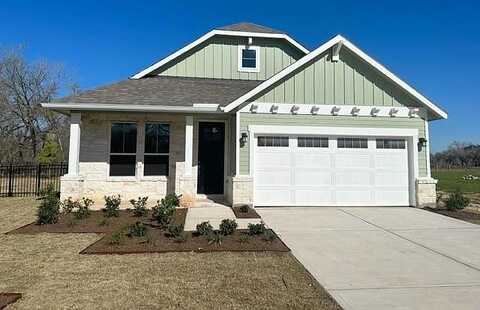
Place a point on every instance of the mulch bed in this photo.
(95, 223)
(464, 215)
(157, 241)
(251, 214)
(8, 298)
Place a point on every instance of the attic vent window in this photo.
(248, 58)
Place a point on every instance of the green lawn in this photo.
(449, 180)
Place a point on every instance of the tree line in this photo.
(28, 132)
(457, 155)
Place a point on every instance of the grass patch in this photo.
(450, 180)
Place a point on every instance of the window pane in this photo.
(249, 53)
(363, 143)
(155, 165)
(122, 165)
(157, 138)
(116, 142)
(249, 63)
(341, 143)
(123, 138)
(301, 142)
(261, 141)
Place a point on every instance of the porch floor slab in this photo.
(213, 214)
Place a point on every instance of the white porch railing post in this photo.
(74, 148)
(188, 144)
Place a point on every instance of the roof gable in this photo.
(220, 32)
(394, 88)
(249, 27)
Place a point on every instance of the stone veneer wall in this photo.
(426, 192)
(93, 180)
(241, 190)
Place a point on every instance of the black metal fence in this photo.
(20, 180)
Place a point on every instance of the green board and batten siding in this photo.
(218, 58)
(329, 121)
(349, 81)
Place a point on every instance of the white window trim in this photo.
(257, 58)
(142, 152)
(122, 177)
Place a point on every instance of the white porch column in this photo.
(188, 145)
(74, 148)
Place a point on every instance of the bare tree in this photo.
(23, 122)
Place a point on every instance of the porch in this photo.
(194, 155)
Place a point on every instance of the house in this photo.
(247, 113)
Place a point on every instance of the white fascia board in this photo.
(208, 36)
(324, 47)
(130, 107)
(333, 131)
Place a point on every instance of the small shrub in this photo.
(137, 230)
(175, 230)
(104, 222)
(204, 228)
(68, 205)
(256, 229)
(268, 235)
(171, 201)
(244, 238)
(227, 227)
(116, 238)
(139, 206)
(244, 208)
(49, 209)
(162, 214)
(457, 201)
(82, 210)
(112, 206)
(215, 237)
(182, 237)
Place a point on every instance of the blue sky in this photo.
(433, 45)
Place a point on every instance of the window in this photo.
(352, 143)
(123, 149)
(390, 144)
(248, 58)
(312, 142)
(272, 141)
(157, 148)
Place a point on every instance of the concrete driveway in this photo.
(385, 258)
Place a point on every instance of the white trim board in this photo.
(324, 47)
(329, 109)
(210, 34)
(204, 107)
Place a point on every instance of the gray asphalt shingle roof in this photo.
(249, 27)
(167, 91)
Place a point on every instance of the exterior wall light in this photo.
(243, 138)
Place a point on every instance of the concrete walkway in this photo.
(385, 258)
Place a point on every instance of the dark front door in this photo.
(211, 148)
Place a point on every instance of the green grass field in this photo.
(449, 180)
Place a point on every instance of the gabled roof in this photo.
(161, 91)
(249, 27)
(437, 111)
(241, 29)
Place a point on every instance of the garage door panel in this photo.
(392, 179)
(391, 197)
(391, 160)
(349, 178)
(305, 177)
(273, 196)
(272, 159)
(353, 197)
(312, 160)
(274, 177)
(352, 160)
(313, 197)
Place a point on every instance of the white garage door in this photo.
(330, 171)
